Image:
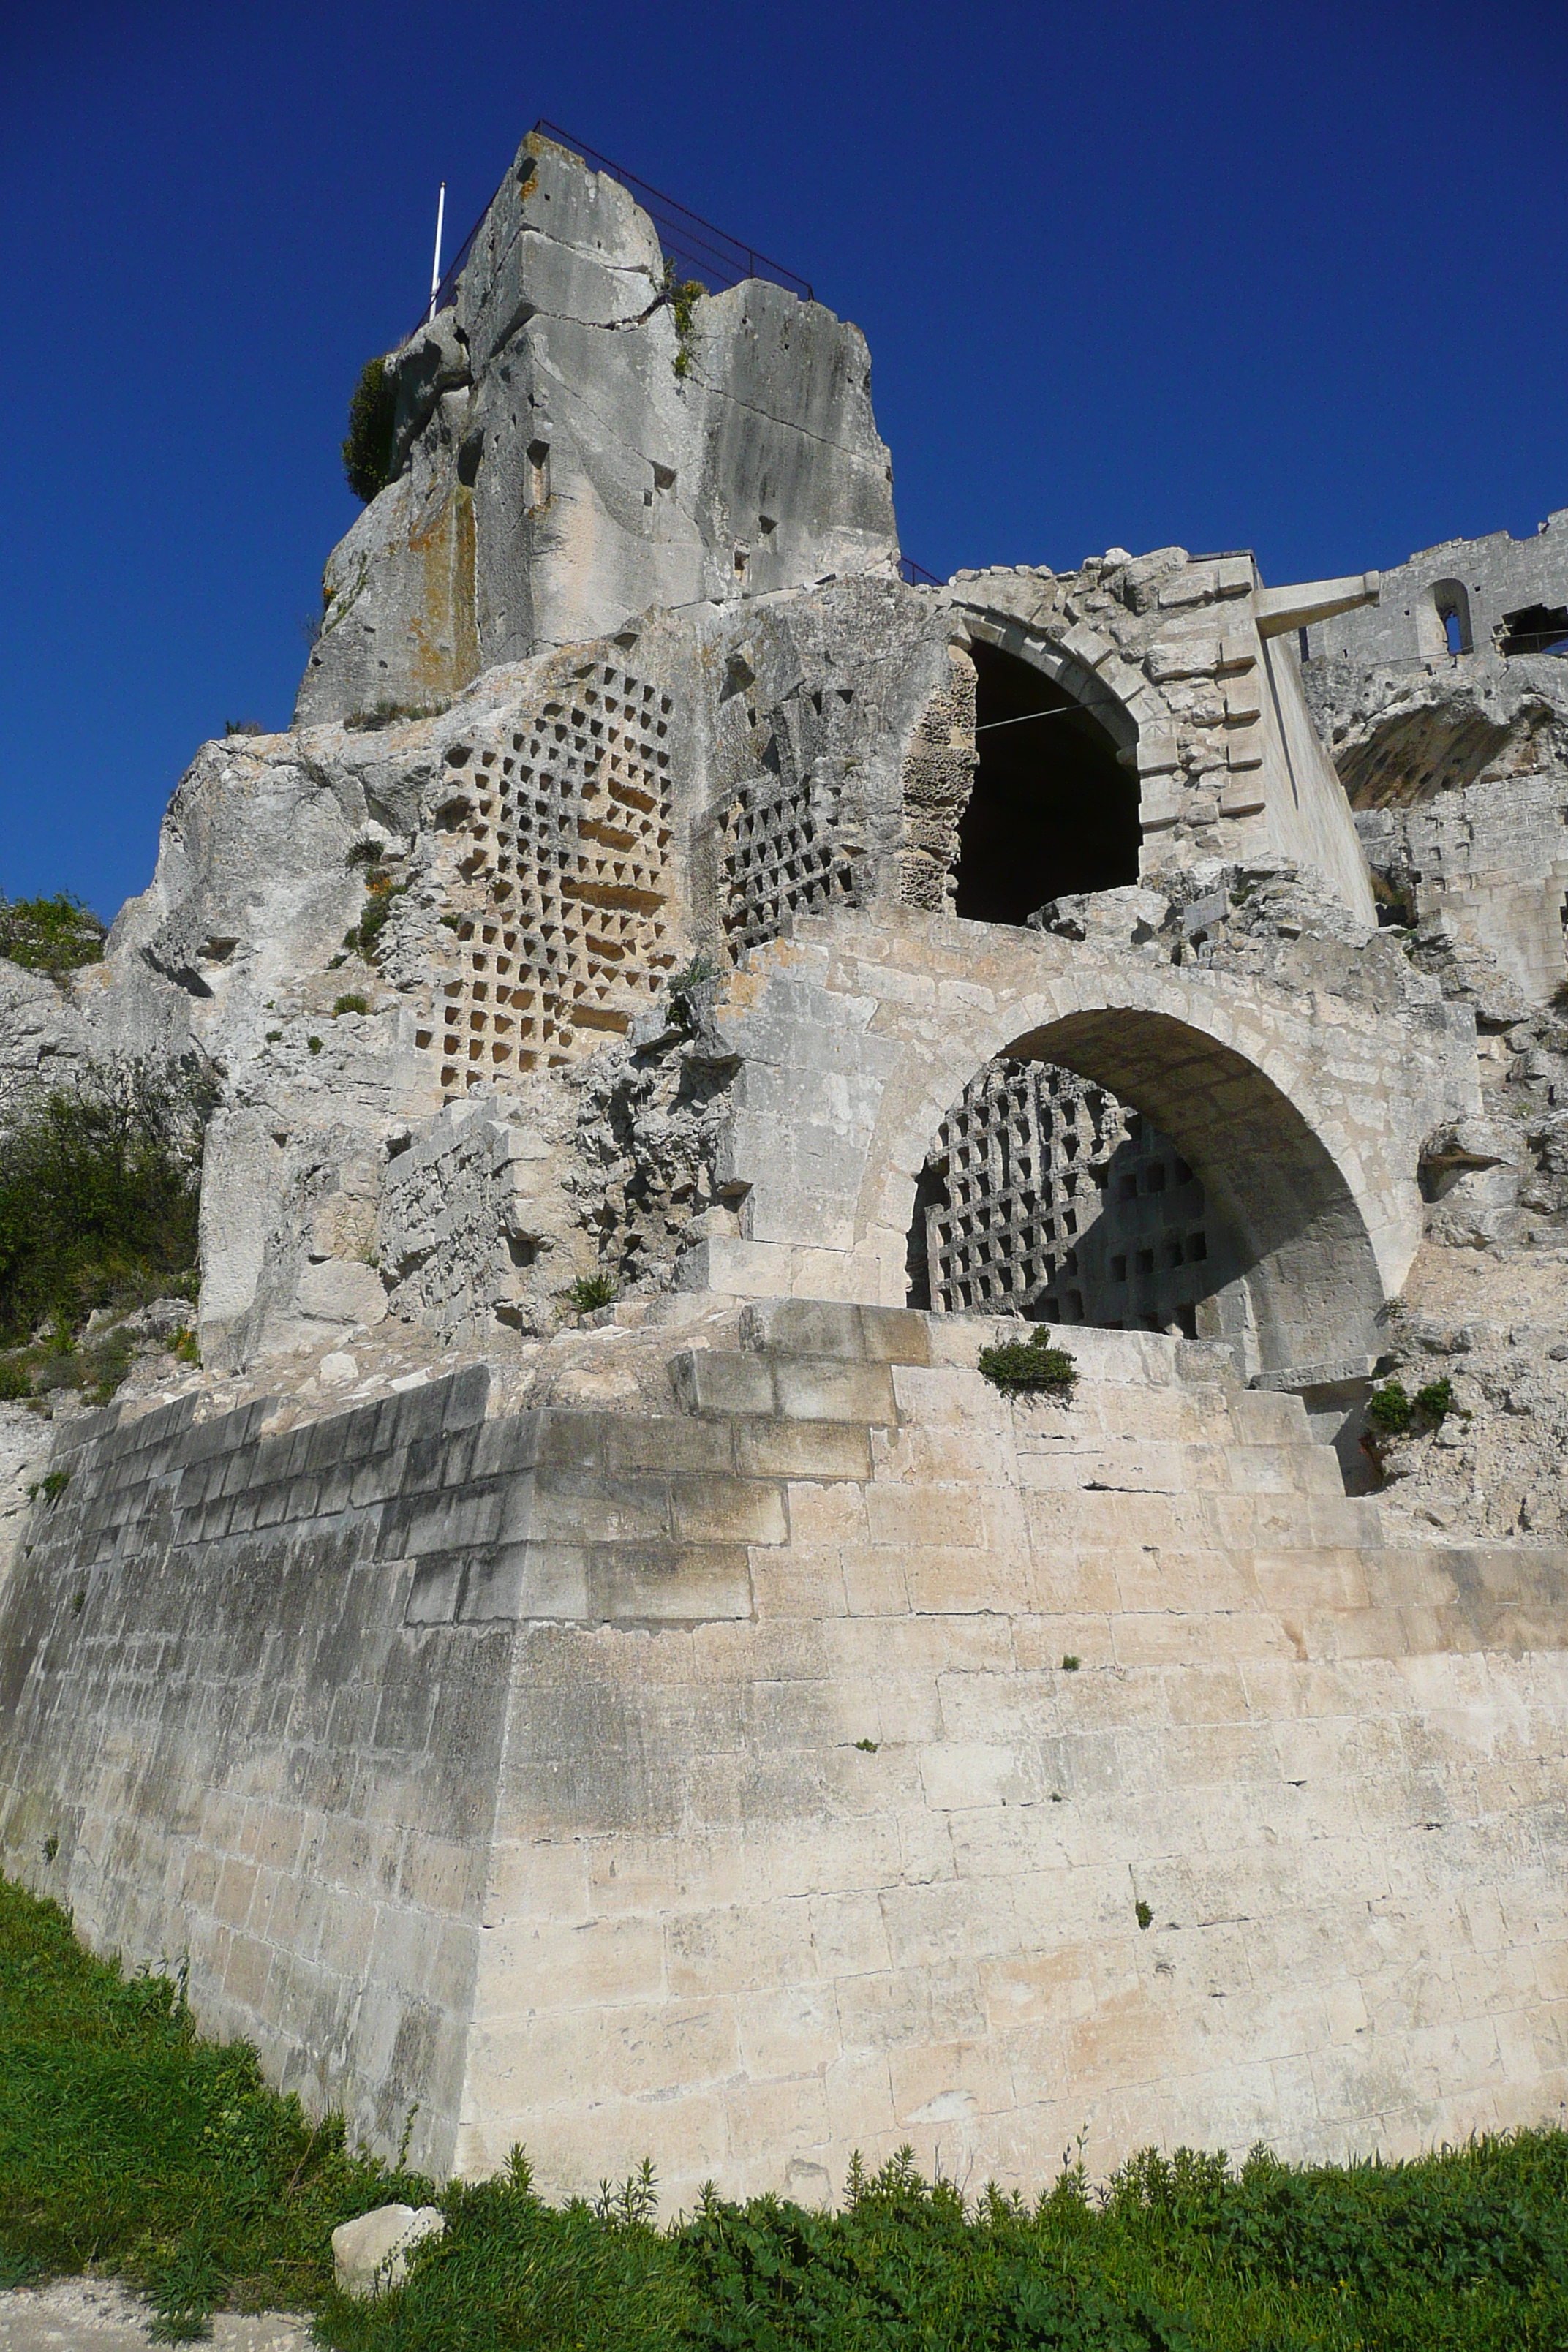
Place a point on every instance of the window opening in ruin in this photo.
(1051, 811)
(1534, 629)
(1045, 1196)
(1451, 602)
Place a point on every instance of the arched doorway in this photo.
(1045, 1195)
(1051, 811)
(1120, 1167)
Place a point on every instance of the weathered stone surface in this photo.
(680, 1759)
(369, 1717)
(567, 460)
(370, 2255)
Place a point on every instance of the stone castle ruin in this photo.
(717, 1723)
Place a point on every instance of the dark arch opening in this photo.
(1051, 811)
(1205, 1149)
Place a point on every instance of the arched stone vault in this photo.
(1121, 706)
(1304, 1113)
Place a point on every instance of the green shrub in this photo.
(682, 988)
(592, 1291)
(1391, 1413)
(682, 296)
(382, 896)
(185, 1347)
(1388, 1409)
(1032, 1366)
(15, 1381)
(367, 452)
(352, 1003)
(52, 935)
(98, 1189)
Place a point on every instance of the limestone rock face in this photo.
(569, 454)
(370, 2255)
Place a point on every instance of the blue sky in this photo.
(1289, 278)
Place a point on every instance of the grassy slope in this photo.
(129, 2143)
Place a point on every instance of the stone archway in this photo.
(1302, 1119)
(1051, 809)
(1298, 1259)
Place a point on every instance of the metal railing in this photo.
(712, 255)
(915, 575)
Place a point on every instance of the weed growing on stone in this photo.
(1031, 1366)
(353, 1003)
(1391, 1413)
(682, 296)
(382, 896)
(387, 713)
(130, 2143)
(592, 1291)
(682, 988)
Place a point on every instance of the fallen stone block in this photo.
(370, 2255)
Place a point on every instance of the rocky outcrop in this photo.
(573, 445)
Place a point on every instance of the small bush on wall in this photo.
(367, 452)
(1031, 1367)
(52, 935)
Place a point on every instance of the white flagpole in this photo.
(436, 266)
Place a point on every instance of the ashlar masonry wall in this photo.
(783, 1775)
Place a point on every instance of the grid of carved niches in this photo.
(782, 857)
(1055, 1200)
(1019, 1163)
(571, 835)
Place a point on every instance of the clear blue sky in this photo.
(1291, 276)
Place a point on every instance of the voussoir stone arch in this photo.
(858, 1046)
(1079, 661)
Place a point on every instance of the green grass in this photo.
(129, 2144)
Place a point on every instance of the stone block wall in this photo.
(1490, 863)
(209, 1699)
(784, 1775)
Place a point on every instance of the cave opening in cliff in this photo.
(1052, 812)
